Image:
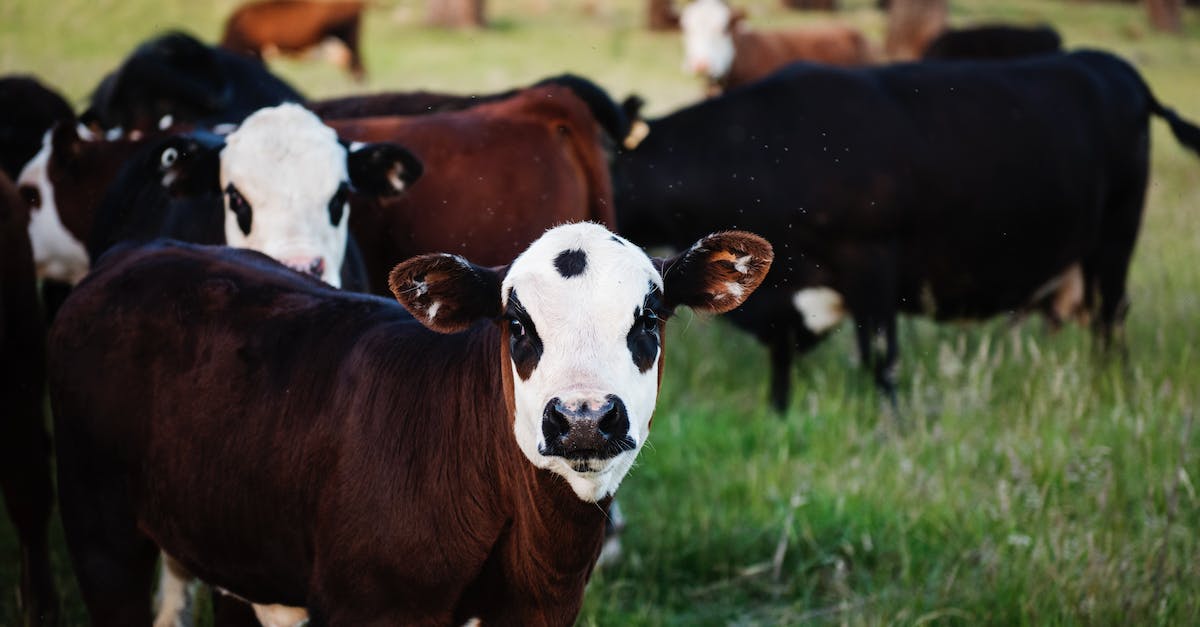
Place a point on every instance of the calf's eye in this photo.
(337, 204)
(516, 329)
(239, 207)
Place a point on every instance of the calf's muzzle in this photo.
(586, 428)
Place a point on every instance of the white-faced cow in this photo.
(721, 48)
(311, 448)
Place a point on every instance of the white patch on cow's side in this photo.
(821, 307)
(583, 322)
(707, 41)
(287, 165)
(173, 597)
(280, 615)
(57, 253)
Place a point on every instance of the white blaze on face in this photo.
(821, 307)
(287, 166)
(583, 321)
(57, 253)
(707, 42)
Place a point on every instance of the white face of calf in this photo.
(707, 39)
(57, 253)
(286, 190)
(582, 313)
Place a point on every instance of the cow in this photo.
(30, 109)
(295, 26)
(24, 445)
(994, 41)
(661, 15)
(496, 176)
(174, 78)
(727, 54)
(317, 449)
(955, 190)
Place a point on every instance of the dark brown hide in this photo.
(496, 177)
(294, 26)
(758, 53)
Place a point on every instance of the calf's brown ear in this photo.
(718, 273)
(446, 292)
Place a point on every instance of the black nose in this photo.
(585, 429)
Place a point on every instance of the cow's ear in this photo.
(382, 169)
(737, 19)
(716, 274)
(189, 165)
(446, 292)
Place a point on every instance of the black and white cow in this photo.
(953, 190)
(425, 471)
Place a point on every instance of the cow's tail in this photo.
(1186, 132)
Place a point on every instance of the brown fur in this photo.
(294, 26)
(758, 53)
(496, 177)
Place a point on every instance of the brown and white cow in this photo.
(721, 48)
(295, 26)
(496, 176)
(312, 448)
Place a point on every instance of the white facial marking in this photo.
(57, 253)
(821, 307)
(287, 165)
(173, 594)
(583, 322)
(743, 264)
(734, 289)
(433, 309)
(707, 43)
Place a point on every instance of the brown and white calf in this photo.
(297, 445)
(721, 48)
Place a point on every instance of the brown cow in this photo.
(295, 26)
(496, 176)
(312, 448)
(718, 46)
(24, 446)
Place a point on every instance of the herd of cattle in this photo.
(272, 422)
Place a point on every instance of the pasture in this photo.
(1028, 478)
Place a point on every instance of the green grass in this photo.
(1033, 480)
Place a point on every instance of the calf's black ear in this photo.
(718, 273)
(382, 169)
(189, 165)
(446, 292)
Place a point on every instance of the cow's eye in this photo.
(516, 329)
(649, 321)
(31, 196)
(337, 204)
(239, 207)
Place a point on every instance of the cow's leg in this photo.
(348, 34)
(28, 496)
(173, 596)
(782, 349)
(878, 331)
(114, 563)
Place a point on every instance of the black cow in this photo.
(178, 76)
(954, 190)
(994, 41)
(30, 109)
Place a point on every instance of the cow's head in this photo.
(286, 180)
(582, 314)
(61, 185)
(708, 37)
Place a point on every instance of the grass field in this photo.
(1034, 482)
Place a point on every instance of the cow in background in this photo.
(720, 48)
(176, 79)
(910, 188)
(24, 444)
(295, 26)
(30, 109)
(493, 424)
(994, 41)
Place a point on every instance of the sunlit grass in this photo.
(1029, 479)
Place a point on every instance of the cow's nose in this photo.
(700, 67)
(586, 428)
(312, 266)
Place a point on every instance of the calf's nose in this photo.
(312, 266)
(585, 428)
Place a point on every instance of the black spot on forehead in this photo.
(571, 262)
